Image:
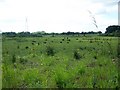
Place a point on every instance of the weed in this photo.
(81, 71)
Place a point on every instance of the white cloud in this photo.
(56, 15)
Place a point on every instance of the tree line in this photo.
(113, 30)
(40, 34)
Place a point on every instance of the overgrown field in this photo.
(60, 62)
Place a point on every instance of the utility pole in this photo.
(26, 24)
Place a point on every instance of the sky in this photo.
(57, 15)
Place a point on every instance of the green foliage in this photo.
(113, 30)
(10, 77)
(77, 64)
(50, 51)
(23, 60)
(13, 59)
(61, 77)
(31, 78)
(77, 55)
(81, 71)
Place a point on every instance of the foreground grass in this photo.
(60, 62)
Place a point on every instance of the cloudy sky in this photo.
(57, 15)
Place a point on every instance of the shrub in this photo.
(18, 47)
(23, 60)
(95, 57)
(50, 51)
(13, 59)
(68, 40)
(44, 42)
(77, 55)
(26, 47)
(91, 41)
(32, 43)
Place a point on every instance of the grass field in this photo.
(60, 62)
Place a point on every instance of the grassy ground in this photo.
(60, 62)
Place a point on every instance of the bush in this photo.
(26, 47)
(77, 55)
(95, 57)
(50, 51)
(18, 47)
(23, 60)
(13, 59)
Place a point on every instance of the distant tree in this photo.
(43, 32)
(36, 34)
(113, 30)
(9, 34)
(23, 34)
(53, 34)
(83, 33)
(70, 33)
(99, 32)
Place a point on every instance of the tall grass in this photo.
(77, 64)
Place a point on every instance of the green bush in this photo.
(77, 55)
(50, 51)
(23, 60)
(13, 59)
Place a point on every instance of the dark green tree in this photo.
(113, 30)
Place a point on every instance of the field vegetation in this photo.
(60, 62)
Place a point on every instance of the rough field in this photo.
(60, 62)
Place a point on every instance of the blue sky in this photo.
(57, 15)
